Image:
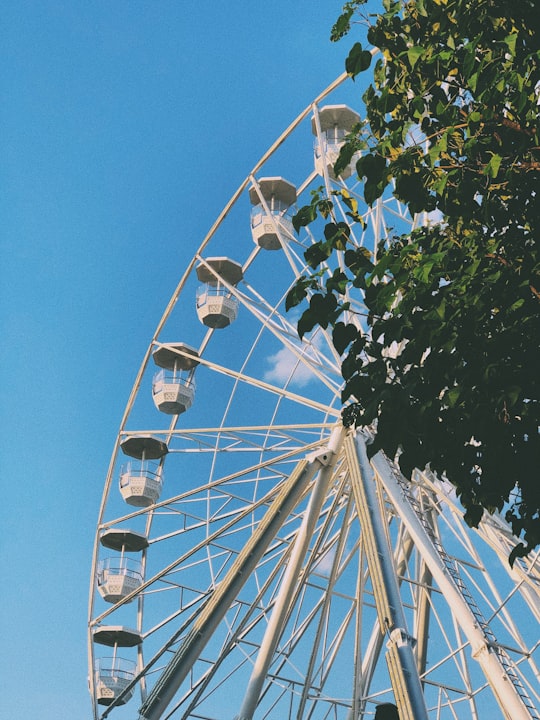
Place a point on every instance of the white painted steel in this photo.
(492, 657)
(400, 656)
(257, 559)
(327, 458)
(214, 611)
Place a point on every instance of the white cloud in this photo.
(285, 367)
(325, 564)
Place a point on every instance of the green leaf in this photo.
(316, 254)
(358, 60)
(510, 41)
(513, 394)
(473, 515)
(348, 150)
(338, 282)
(414, 54)
(439, 185)
(391, 6)
(304, 216)
(441, 309)
(325, 207)
(297, 293)
(452, 396)
(352, 204)
(450, 125)
(337, 235)
(341, 26)
(519, 551)
(371, 167)
(342, 335)
(473, 121)
(307, 322)
(492, 168)
(515, 306)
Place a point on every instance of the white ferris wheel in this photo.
(249, 561)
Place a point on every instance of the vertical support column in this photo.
(400, 656)
(493, 659)
(326, 459)
(421, 629)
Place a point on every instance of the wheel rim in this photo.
(304, 615)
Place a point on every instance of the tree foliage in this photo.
(448, 363)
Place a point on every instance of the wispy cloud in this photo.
(284, 367)
(324, 565)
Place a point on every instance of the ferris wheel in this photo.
(249, 560)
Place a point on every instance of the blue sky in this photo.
(125, 127)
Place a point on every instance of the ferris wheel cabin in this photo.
(330, 125)
(113, 675)
(141, 479)
(271, 225)
(217, 307)
(173, 387)
(119, 575)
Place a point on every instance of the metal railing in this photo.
(128, 567)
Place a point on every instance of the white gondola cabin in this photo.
(119, 575)
(271, 225)
(216, 305)
(173, 387)
(330, 125)
(141, 479)
(113, 675)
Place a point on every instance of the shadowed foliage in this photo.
(447, 360)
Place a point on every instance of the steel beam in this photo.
(495, 663)
(274, 630)
(400, 656)
(225, 593)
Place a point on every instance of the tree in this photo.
(447, 362)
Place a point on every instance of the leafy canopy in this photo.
(447, 363)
